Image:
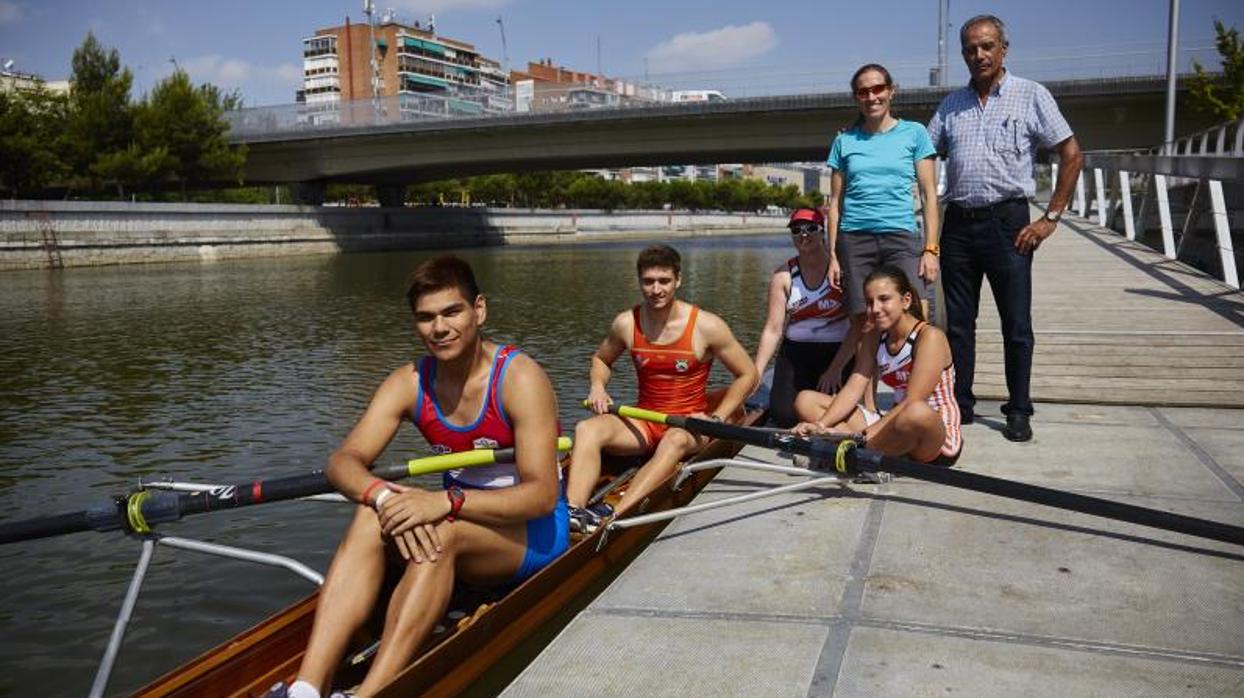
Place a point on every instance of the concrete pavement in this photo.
(911, 588)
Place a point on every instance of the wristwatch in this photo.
(1051, 216)
(456, 499)
(935, 250)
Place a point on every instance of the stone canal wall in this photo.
(42, 234)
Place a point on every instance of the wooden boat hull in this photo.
(250, 663)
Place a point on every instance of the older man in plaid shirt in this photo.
(990, 131)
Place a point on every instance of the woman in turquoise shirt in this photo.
(871, 219)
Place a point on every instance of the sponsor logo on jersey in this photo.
(441, 449)
(485, 442)
(681, 365)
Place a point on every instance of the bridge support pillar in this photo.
(391, 195)
(309, 193)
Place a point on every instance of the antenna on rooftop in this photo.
(505, 51)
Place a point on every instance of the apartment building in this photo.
(426, 72)
(544, 86)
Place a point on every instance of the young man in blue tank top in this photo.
(482, 535)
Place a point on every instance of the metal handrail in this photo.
(1208, 170)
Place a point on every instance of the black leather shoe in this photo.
(1017, 428)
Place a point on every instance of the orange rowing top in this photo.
(672, 379)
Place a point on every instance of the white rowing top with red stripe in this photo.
(895, 371)
(814, 314)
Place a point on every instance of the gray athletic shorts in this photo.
(860, 252)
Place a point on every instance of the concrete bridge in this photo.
(369, 145)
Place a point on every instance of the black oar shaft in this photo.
(1202, 528)
(162, 507)
(867, 460)
(45, 527)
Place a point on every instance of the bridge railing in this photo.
(464, 103)
(1206, 176)
(361, 113)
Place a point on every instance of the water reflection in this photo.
(243, 369)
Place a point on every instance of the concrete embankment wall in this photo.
(41, 234)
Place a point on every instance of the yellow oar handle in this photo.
(639, 413)
(634, 413)
(468, 459)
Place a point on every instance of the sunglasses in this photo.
(874, 91)
(805, 230)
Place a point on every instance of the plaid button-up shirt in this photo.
(991, 149)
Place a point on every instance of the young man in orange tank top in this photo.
(672, 344)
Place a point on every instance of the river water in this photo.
(229, 371)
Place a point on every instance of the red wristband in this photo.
(456, 498)
(367, 492)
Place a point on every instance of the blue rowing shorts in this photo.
(547, 538)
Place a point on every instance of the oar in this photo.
(850, 458)
(138, 511)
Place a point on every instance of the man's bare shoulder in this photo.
(524, 378)
(712, 327)
(400, 388)
(524, 368)
(709, 319)
(623, 324)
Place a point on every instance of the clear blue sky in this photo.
(740, 47)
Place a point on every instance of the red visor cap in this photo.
(807, 214)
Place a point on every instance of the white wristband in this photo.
(384, 494)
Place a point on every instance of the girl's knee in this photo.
(918, 415)
(807, 405)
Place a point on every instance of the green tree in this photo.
(188, 123)
(100, 121)
(649, 196)
(1221, 96)
(32, 141)
(494, 189)
(134, 168)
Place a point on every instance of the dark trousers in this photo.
(976, 244)
(798, 366)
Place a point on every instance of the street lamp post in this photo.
(1172, 60)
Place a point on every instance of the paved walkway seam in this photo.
(838, 621)
(829, 663)
(1202, 455)
(1091, 646)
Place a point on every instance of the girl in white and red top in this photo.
(912, 357)
(807, 323)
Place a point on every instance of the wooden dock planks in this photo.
(1118, 323)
